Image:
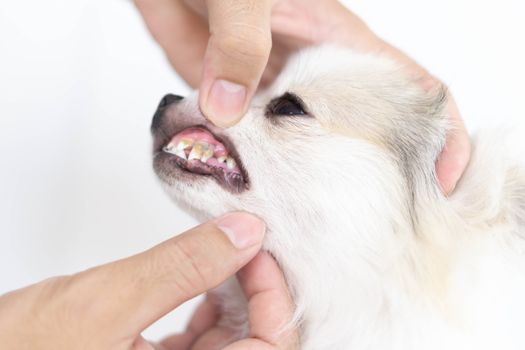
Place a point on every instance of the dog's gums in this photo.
(198, 151)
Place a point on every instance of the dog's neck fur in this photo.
(387, 279)
(398, 274)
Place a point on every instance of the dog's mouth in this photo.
(198, 151)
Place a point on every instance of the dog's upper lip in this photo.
(196, 149)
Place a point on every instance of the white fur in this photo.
(375, 256)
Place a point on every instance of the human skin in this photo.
(107, 307)
(230, 48)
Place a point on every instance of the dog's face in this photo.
(340, 141)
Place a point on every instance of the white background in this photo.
(80, 79)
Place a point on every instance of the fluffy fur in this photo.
(375, 256)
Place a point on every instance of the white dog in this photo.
(338, 157)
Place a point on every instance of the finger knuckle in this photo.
(53, 289)
(245, 43)
(55, 306)
(189, 271)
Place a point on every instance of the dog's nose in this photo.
(161, 109)
(169, 99)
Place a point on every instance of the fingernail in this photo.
(225, 102)
(242, 229)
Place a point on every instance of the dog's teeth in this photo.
(230, 163)
(172, 150)
(180, 153)
(208, 153)
(205, 158)
(205, 146)
(183, 144)
(221, 159)
(198, 150)
(196, 153)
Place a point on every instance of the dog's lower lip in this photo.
(198, 151)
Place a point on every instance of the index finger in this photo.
(135, 292)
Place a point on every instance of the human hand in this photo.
(229, 48)
(270, 309)
(107, 307)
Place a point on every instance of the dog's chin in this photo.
(195, 156)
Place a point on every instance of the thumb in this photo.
(235, 58)
(135, 292)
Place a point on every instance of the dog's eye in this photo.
(286, 105)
